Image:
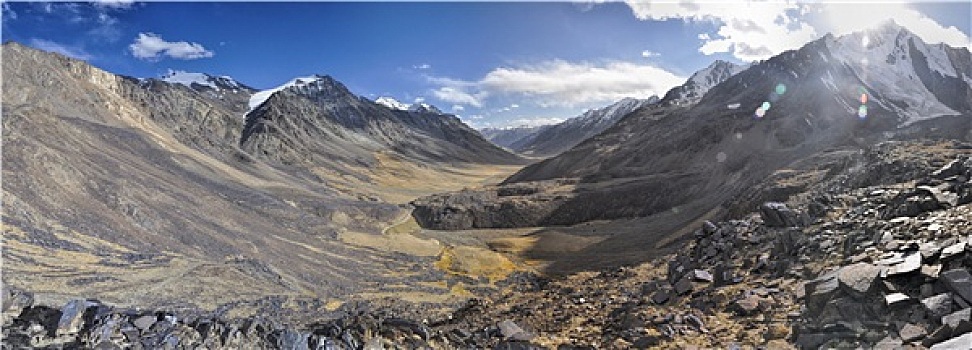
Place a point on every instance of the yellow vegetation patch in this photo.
(475, 262)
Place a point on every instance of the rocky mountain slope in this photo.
(552, 140)
(320, 123)
(873, 253)
(690, 159)
(141, 192)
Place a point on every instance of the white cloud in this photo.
(458, 108)
(8, 13)
(114, 4)
(419, 99)
(458, 96)
(70, 51)
(649, 54)
(845, 18)
(749, 31)
(561, 83)
(758, 30)
(537, 121)
(150, 46)
(422, 66)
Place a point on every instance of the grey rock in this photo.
(940, 334)
(938, 305)
(701, 275)
(747, 306)
(683, 286)
(661, 296)
(911, 332)
(962, 342)
(944, 199)
(775, 214)
(953, 250)
(292, 340)
(145, 322)
(859, 279)
(709, 228)
(821, 290)
(517, 345)
(931, 271)
(958, 281)
(911, 263)
(511, 330)
(953, 168)
(959, 321)
(72, 317)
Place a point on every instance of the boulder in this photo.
(959, 281)
(701, 275)
(859, 279)
(911, 262)
(953, 168)
(958, 343)
(938, 305)
(775, 214)
(145, 322)
(821, 290)
(512, 331)
(747, 306)
(959, 321)
(72, 317)
(911, 332)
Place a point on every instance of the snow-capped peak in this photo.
(611, 113)
(885, 59)
(392, 103)
(699, 83)
(424, 108)
(190, 79)
(258, 98)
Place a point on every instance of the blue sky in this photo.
(494, 64)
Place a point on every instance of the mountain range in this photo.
(699, 157)
(195, 191)
(550, 140)
(189, 179)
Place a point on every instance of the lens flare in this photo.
(721, 157)
(862, 112)
(766, 105)
(863, 98)
(780, 89)
(760, 112)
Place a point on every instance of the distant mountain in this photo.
(317, 121)
(701, 82)
(554, 139)
(203, 81)
(507, 137)
(697, 159)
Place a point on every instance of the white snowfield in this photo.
(259, 98)
(881, 58)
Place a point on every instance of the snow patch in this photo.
(259, 98)
(391, 103)
(188, 78)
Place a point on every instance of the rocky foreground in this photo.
(876, 255)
